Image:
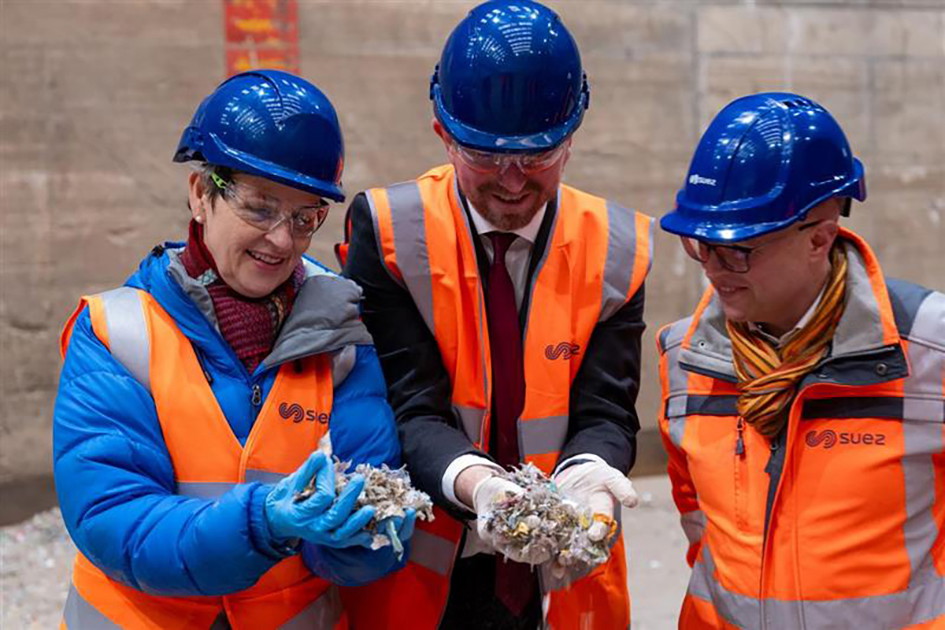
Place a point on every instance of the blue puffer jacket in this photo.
(114, 475)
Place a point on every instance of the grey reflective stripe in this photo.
(128, 338)
(81, 615)
(923, 413)
(432, 552)
(204, 489)
(471, 419)
(215, 489)
(678, 399)
(322, 614)
(542, 435)
(919, 603)
(621, 255)
(413, 257)
(263, 476)
(693, 524)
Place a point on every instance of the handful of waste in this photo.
(542, 522)
(389, 491)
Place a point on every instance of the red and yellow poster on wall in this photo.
(261, 34)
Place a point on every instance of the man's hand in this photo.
(488, 493)
(598, 486)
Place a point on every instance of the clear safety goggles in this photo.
(527, 163)
(260, 214)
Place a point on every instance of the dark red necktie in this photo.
(515, 583)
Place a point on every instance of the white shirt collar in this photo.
(528, 232)
(806, 317)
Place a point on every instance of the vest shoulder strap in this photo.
(119, 320)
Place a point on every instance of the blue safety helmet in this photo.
(762, 164)
(510, 79)
(271, 124)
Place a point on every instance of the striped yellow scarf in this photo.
(768, 376)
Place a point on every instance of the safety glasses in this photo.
(735, 258)
(528, 163)
(260, 214)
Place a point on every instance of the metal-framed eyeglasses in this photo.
(260, 214)
(488, 162)
(734, 258)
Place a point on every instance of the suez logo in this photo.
(699, 179)
(296, 413)
(828, 438)
(563, 350)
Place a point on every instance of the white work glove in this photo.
(486, 494)
(598, 486)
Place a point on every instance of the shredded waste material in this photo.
(542, 522)
(389, 491)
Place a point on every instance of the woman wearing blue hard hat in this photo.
(803, 400)
(193, 397)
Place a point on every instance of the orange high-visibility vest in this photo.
(850, 531)
(596, 259)
(208, 460)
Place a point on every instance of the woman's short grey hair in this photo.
(206, 170)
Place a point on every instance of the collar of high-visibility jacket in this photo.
(529, 232)
(778, 341)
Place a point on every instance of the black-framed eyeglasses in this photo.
(302, 221)
(734, 258)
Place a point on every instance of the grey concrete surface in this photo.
(94, 95)
(36, 561)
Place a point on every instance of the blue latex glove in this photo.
(399, 529)
(320, 519)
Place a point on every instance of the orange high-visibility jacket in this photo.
(597, 258)
(208, 460)
(841, 523)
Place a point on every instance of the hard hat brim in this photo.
(473, 138)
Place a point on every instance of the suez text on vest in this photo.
(829, 438)
(296, 413)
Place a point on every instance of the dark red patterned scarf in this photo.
(249, 325)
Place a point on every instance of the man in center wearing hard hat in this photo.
(507, 310)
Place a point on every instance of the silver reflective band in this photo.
(621, 258)
(471, 420)
(693, 524)
(204, 489)
(322, 614)
(432, 552)
(81, 615)
(917, 604)
(542, 435)
(413, 258)
(128, 338)
(216, 489)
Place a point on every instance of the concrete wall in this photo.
(95, 94)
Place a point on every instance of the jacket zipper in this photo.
(256, 399)
(741, 519)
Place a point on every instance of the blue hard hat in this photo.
(271, 124)
(762, 164)
(510, 79)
